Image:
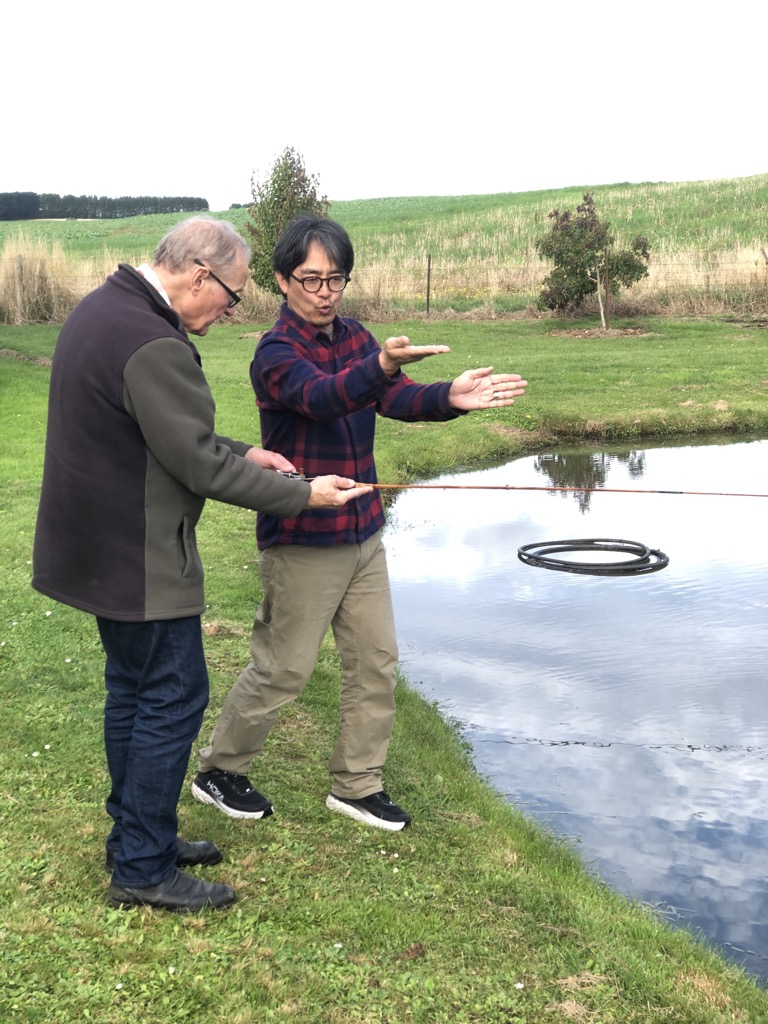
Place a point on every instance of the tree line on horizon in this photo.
(49, 206)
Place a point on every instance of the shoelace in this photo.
(240, 784)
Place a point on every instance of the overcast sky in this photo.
(402, 98)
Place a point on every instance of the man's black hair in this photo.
(304, 229)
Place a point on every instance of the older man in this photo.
(131, 456)
(320, 381)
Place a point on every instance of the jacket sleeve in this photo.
(166, 393)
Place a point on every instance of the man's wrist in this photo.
(383, 363)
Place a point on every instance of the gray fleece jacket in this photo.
(131, 455)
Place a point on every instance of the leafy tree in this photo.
(19, 205)
(289, 189)
(581, 248)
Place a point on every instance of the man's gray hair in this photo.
(214, 242)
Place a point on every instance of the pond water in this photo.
(627, 713)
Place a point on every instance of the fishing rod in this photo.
(527, 487)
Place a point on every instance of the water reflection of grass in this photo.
(473, 915)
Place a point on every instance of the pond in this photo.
(630, 713)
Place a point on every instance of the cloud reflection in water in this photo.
(632, 712)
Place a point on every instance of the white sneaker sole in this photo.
(231, 812)
(364, 817)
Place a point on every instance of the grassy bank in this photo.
(708, 242)
(473, 915)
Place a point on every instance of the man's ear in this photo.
(197, 280)
(282, 284)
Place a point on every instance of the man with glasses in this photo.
(131, 455)
(320, 381)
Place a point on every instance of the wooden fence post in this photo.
(18, 275)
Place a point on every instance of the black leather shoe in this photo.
(187, 854)
(182, 893)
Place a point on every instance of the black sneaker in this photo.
(232, 794)
(376, 809)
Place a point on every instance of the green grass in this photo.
(671, 377)
(337, 923)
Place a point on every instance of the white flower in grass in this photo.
(48, 615)
(35, 753)
(338, 945)
(68, 661)
(171, 970)
(119, 985)
(519, 985)
(47, 746)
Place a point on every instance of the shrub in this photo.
(581, 249)
(289, 189)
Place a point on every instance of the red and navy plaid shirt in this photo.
(318, 399)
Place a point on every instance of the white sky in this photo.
(402, 98)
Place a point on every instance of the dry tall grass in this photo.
(481, 274)
(35, 283)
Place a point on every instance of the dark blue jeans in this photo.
(157, 691)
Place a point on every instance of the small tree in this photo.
(581, 249)
(289, 189)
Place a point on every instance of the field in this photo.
(473, 916)
(708, 243)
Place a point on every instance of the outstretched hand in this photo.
(396, 352)
(483, 389)
(334, 491)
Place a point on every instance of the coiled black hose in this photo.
(645, 559)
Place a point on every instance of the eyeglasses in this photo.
(234, 298)
(336, 282)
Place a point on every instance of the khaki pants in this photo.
(306, 590)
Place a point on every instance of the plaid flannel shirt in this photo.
(318, 399)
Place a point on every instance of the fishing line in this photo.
(516, 487)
